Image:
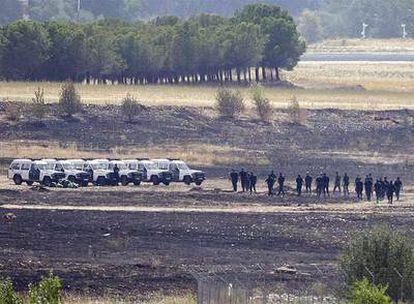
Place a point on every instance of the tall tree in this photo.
(25, 51)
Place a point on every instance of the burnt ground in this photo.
(109, 251)
(324, 140)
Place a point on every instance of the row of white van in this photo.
(103, 171)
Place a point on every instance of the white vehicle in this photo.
(180, 171)
(28, 171)
(72, 173)
(126, 175)
(150, 171)
(99, 172)
(77, 163)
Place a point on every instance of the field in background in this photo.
(351, 85)
(363, 46)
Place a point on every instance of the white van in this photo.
(29, 171)
(150, 171)
(126, 175)
(72, 173)
(180, 171)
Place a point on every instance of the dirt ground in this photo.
(136, 240)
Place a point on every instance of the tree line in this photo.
(254, 44)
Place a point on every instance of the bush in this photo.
(229, 103)
(130, 107)
(262, 105)
(384, 257)
(294, 110)
(13, 112)
(7, 293)
(38, 104)
(47, 291)
(363, 292)
(69, 101)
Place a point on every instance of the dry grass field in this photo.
(350, 85)
(363, 46)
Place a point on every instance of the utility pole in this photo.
(78, 9)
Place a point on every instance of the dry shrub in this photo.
(69, 101)
(13, 111)
(39, 108)
(229, 103)
(296, 113)
(130, 107)
(262, 104)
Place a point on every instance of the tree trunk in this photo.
(277, 74)
(264, 74)
(238, 76)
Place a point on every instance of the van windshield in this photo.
(100, 166)
(150, 166)
(121, 166)
(68, 166)
(183, 166)
(42, 167)
(78, 165)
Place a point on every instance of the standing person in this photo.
(381, 189)
(234, 177)
(337, 183)
(116, 173)
(243, 179)
(325, 185)
(252, 182)
(270, 181)
(299, 184)
(308, 183)
(377, 189)
(281, 182)
(359, 187)
(345, 183)
(390, 192)
(319, 186)
(398, 186)
(368, 187)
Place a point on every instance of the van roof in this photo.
(21, 160)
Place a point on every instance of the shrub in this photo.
(130, 107)
(262, 105)
(7, 293)
(38, 104)
(13, 112)
(229, 103)
(363, 292)
(47, 291)
(294, 110)
(384, 257)
(69, 101)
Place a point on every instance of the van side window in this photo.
(15, 166)
(25, 167)
(59, 167)
(173, 167)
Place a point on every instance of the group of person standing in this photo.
(382, 187)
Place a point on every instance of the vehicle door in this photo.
(33, 172)
(60, 168)
(144, 171)
(14, 168)
(175, 172)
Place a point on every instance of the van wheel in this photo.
(166, 183)
(155, 180)
(198, 183)
(85, 184)
(72, 179)
(124, 180)
(100, 181)
(17, 179)
(137, 183)
(47, 181)
(29, 183)
(187, 180)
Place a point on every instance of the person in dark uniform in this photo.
(116, 173)
(337, 183)
(281, 182)
(319, 186)
(252, 182)
(385, 185)
(381, 189)
(234, 177)
(398, 186)
(270, 181)
(244, 180)
(359, 187)
(390, 192)
(368, 187)
(345, 183)
(308, 183)
(325, 185)
(299, 184)
(377, 189)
